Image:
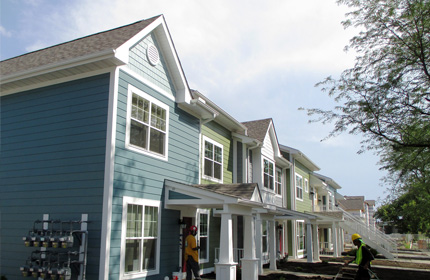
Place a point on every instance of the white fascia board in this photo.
(328, 180)
(223, 116)
(283, 162)
(109, 54)
(197, 192)
(246, 139)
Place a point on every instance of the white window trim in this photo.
(206, 212)
(131, 90)
(274, 176)
(295, 186)
(215, 143)
(281, 182)
(144, 202)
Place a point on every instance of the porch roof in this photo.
(212, 195)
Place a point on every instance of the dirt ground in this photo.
(330, 267)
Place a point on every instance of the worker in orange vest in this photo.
(192, 254)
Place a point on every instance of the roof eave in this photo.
(101, 60)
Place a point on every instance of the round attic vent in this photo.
(152, 54)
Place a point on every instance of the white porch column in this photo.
(315, 243)
(272, 244)
(226, 267)
(339, 240)
(334, 236)
(249, 261)
(258, 245)
(342, 239)
(309, 249)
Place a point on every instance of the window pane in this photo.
(208, 150)
(203, 247)
(266, 180)
(132, 261)
(138, 134)
(271, 182)
(151, 222)
(203, 224)
(218, 154)
(208, 167)
(264, 241)
(217, 170)
(156, 142)
(158, 117)
(134, 221)
(149, 252)
(140, 108)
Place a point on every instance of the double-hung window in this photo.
(213, 163)
(301, 235)
(268, 174)
(147, 124)
(140, 237)
(204, 235)
(299, 186)
(278, 182)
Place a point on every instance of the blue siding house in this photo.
(90, 130)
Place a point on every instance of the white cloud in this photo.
(4, 32)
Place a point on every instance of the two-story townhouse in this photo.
(298, 187)
(91, 129)
(325, 201)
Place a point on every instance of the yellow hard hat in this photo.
(355, 236)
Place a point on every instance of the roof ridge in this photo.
(84, 37)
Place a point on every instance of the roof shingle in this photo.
(103, 41)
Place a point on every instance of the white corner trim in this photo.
(108, 177)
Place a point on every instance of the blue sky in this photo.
(255, 59)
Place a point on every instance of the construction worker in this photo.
(192, 254)
(363, 257)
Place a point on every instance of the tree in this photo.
(386, 97)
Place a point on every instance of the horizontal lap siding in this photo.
(306, 204)
(142, 176)
(52, 162)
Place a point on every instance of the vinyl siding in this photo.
(306, 204)
(142, 176)
(221, 135)
(158, 74)
(52, 162)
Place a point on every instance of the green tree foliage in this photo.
(386, 96)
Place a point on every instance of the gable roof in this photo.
(102, 41)
(258, 129)
(352, 203)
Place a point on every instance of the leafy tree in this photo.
(386, 95)
(386, 98)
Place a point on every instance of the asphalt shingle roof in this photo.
(107, 40)
(258, 129)
(352, 203)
